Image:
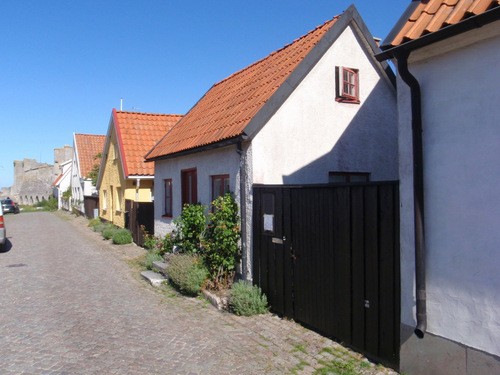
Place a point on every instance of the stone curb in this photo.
(154, 278)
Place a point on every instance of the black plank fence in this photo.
(328, 256)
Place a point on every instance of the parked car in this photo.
(10, 206)
(3, 232)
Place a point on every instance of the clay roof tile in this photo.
(224, 111)
(432, 15)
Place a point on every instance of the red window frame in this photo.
(168, 211)
(220, 185)
(347, 88)
(189, 186)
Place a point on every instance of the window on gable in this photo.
(220, 185)
(347, 84)
(347, 177)
(167, 210)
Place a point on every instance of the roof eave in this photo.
(468, 24)
(211, 146)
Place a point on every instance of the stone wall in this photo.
(33, 180)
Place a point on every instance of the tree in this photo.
(94, 172)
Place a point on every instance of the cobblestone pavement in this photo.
(71, 304)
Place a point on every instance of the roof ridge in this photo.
(278, 50)
(148, 113)
(98, 135)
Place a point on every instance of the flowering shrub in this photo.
(190, 227)
(157, 244)
(221, 241)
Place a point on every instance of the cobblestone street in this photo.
(72, 304)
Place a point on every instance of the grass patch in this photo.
(344, 363)
(299, 367)
(299, 348)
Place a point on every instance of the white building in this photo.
(317, 110)
(87, 149)
(61, 185)
(449, 92)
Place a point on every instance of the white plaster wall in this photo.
(76, 186)
(460, 98)
(312, 134)
(209, 163)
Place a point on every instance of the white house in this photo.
(447, 54)
(61, 184)
(86, 154)
(321, 109)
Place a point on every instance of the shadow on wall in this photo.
(368, 144)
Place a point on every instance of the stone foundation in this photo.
(435, 355)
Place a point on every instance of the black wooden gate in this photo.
(139, 214)
(328, 256)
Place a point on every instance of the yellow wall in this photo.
(113, 181)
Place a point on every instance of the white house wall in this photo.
(207, 164)
(312, 134)
(76, 185)
(461, 143)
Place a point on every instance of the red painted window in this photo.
(168, 198)
(347, 85)
(220, 185)
(189, 186)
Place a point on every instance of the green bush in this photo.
(94, 222)
(152, 257)
(108, 231)
(187, 272)
(122, 236)
(50, 204)
(221, 241)
(99, 227)
(190, 226)
(247, 299)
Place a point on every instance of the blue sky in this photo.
(64, 65)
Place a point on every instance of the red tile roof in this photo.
(433, 15)
(87, 147)
(138, 133)
(59, 178)
(224, 111)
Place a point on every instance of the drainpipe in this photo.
(137, 187)
(418, 191)
(243, 209)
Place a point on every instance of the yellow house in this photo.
(123, 174)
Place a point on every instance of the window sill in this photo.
(166, 217)
(346, 100)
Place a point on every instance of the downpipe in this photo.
(418, 192)
(243, 208)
